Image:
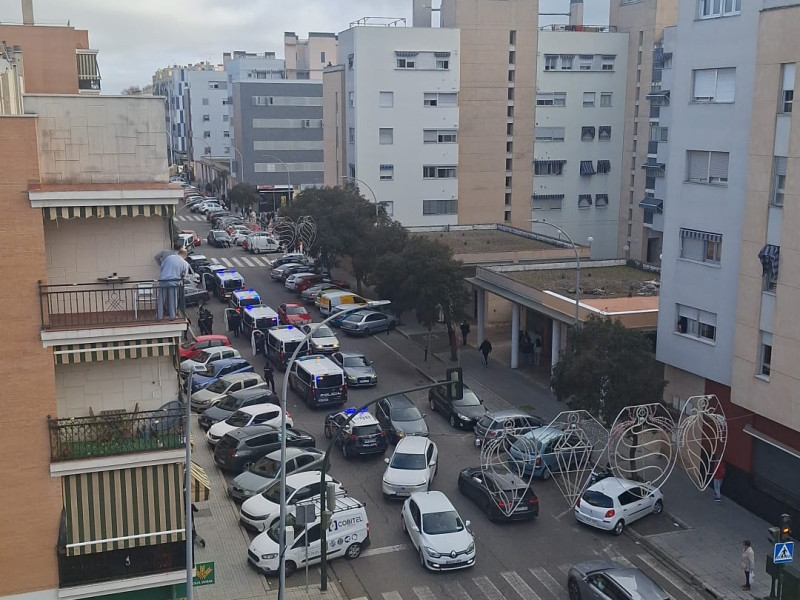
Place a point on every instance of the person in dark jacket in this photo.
(486, 350)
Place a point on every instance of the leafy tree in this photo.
(386, 237)
(605, 368)
(132, 90)
(243, 194)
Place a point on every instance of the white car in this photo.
(323, 340)
(443, 541)
(261, 511)
(262, 242)
(411, 468)
(256, 414)
(206, 356)
(222, 387)
(612, 503)
(291, 280)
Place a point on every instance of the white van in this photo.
(262, 242)
(348, 535)
(328, 302)
(281, 343)
(318, 381)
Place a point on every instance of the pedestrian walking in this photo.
(537, 351)
(748, 563)
(527, 351)
(718, 467)
(173, 269)
(464, 332)
(269, 375)
(486, 350)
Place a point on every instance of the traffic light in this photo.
(455, 387)
(773, 535)
(786, 528)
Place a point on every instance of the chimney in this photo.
(421, 14)
(576, 12)
(27, 12)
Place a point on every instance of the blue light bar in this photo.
(349, 411)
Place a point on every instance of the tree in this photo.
(605, 368)
(386, 237)
(132, 90)
(243, 194)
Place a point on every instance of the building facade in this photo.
(578, 137)
(306, 58)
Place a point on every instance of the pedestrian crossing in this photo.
(191, 217)
(242, 261)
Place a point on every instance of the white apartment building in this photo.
(399, 119)
(580, 103)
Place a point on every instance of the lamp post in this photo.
(374, 197)
(170, 151)
(205, 145)
(577, 266)
(241, 161)
(288, 179)
(284, 392)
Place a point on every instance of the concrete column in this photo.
(514, 335)
(555, 348)
(481, 317)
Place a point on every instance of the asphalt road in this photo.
(527, 560)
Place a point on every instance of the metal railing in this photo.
(116, 433)
(115, 302)
(119, 564)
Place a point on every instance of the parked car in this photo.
(219, 239)
(612, 503)
(276, 274)
(240, 449)
(266, 470)
(195, 238)
(411, 468)
(310, 295)
(217, 369)
(291, 269)
(342, 315)
(256, 414)
(197, 261)
(313, 279)
(233, 402)
(358, 370)
(291, 280)
(222, 387)
(506, 425)
(605, 579)
(291, 257)
(293, 313)
(194, 296)
(203, 358)
(323, 340)
(497, 494)
(443, 541)
(399, 418)
(547, 450)
(362, 435)
(233, 227)
(463, 413)
(367, 323)
(202, 342)
(262, 242)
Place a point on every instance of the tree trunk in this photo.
(451, 336)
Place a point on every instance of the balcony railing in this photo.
(116, 433)
(110, 301)
(120, 564)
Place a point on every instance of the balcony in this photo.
(113, 433)
(111, 302)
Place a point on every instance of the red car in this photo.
(196, 238)
(303, 283)
(293, 313)
(202, 342)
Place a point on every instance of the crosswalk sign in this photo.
(783, 552)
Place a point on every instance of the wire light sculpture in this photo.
(702, 438)
(297, 235)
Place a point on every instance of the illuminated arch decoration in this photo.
(296, 236)
(702, 438)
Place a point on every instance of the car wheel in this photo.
(353, 551)
(328, 433)
(658, 507)
(432, 404)
(291, 384)
(344, 450)
(574, 590)
(422, 559)
(290, 568)
(257, 250)
(453, 421)
(546, 474)
(619, 527)
(403, 523)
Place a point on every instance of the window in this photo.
(711, 9)
(224, 118)
(442, 64)
(548, 167)
(206, 118)
(439, 136)
(586, 62)
(206, 134)
(387, 172)
(765, 354)
(550, 62)
(549, 134)
(227, 149)
(605, 98)
(386, 135)
(435, 172)
(587, 168)
(587, 134)
(386, 99)
(603, 166)
(509, 129)
(322, 57)
(352, 135)
(350, 58)
(509, 164)
(588, 99)
(707, 167)
(440, 99)
(207, 150)
(389, 206)
(778, 180)
(607, 63)
(440, 207)
(512, 57)
(351, 99)
(696, 323)
(226, 134)
(604, 133)
(351, 170)
(567, 61)
(701, 246)
(547, 201)
(584, 201)
(551, 99)
(787, 87)
(205, 102)
(406, 63)
(659, 134)
(714, 85)
(601, 200)
(512, 37)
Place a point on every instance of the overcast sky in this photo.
(136, 37)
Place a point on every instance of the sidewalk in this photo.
(705, 547)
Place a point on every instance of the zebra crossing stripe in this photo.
(424, 593)
(458, 592)
(488, 588)
(391, 596)
(656, 566)
(246, 261)
(548, 581)
(564, 568)
(226, 261)
(520, 586)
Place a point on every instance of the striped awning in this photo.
(126, 508)
(87, 65)
(770, 256)
(82, 212)
(201, 484)
(652, 204)
(100, 351)
(405, 53)
(700, 235)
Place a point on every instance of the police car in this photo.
(258, 316)
(362, 435)
(242, 298)
(226, 282)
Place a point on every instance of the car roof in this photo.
(250, 393)
(318, 364)
(224, 362)
(260, 310)
(544, 433)
(210, 337)
(504, 414)
(293, 451)
(615, 485)
(287, 334)
(250, 293)
(229, 274)
(508, 481)
(352, 355)
(197, 256)
(399, 400)
(234, 377)
(432, 501)
(244, 433)
(257, 409)
(306, 477)
(631, 579)
(412, 444)
(362, 314)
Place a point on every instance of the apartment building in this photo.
(97, 455)
(580, 103)
(307, 58)
(640, 210)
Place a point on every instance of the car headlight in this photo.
(471, 548)
(386, 481)
(463, 417)
(374, 376)
(432, 553)
(351, 378)
(268, 556)
(400, 434)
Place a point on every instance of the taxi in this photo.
(226, 282)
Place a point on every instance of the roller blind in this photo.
(718, 167)
(698, 165)
(704, 81)
(726, 85)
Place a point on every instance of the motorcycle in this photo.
(600, 473)
(205, 321)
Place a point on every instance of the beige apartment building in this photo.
(306, 58)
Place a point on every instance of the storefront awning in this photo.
(770, 258)
(83, 212)
(102, 351)
(125, 508)
(201, 484)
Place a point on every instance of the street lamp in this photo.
(288, 179)
(241, 160)
(284, 392)
(170, 151)
(374, 197)
(577, 266)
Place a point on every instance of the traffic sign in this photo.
(783, 553)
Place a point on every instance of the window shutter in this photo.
(718, 169)
(692, 248)
(448, 99)
(788, 76)
(704, 81)
(386, 135)
(698, 165)
(687, 311)
(429, 136)
(780, 165)
(726, 85)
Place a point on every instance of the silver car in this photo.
(367, 323)
(323, 340)
(606, 580)
(267, 470)
(357, 369)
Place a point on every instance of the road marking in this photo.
(564, 568)
(518, 583)
(391, 595)
(246, 261)
(616, 556)
(488, 588)
(459, 592)
(548, 581)
(424, 593)
(226, 261)
(656, 566)
(385, 550)
(566, 512)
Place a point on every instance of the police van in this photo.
(347, 535)
(281, 343)
(241, 298)
(226, 282)
(318, 380)
(258, 317)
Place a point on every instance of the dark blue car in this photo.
(217, 369)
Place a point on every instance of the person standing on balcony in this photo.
(173, 269)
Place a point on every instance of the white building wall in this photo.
(706, 286)
(374, 70)
(599, 223)
(208, 94)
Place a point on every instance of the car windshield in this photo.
(187, 344)
(355, 361)
(266, 467)
(469, 399)
(406, 413)
(441, 522)
(408, 461)
(296, 310)
(322, 332)
(361, 430)
(218, 387)
(597, 499)
(228, 403)
(238, 419)
(273, 493)
(329, 381)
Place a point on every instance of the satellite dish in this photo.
(5, 66)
